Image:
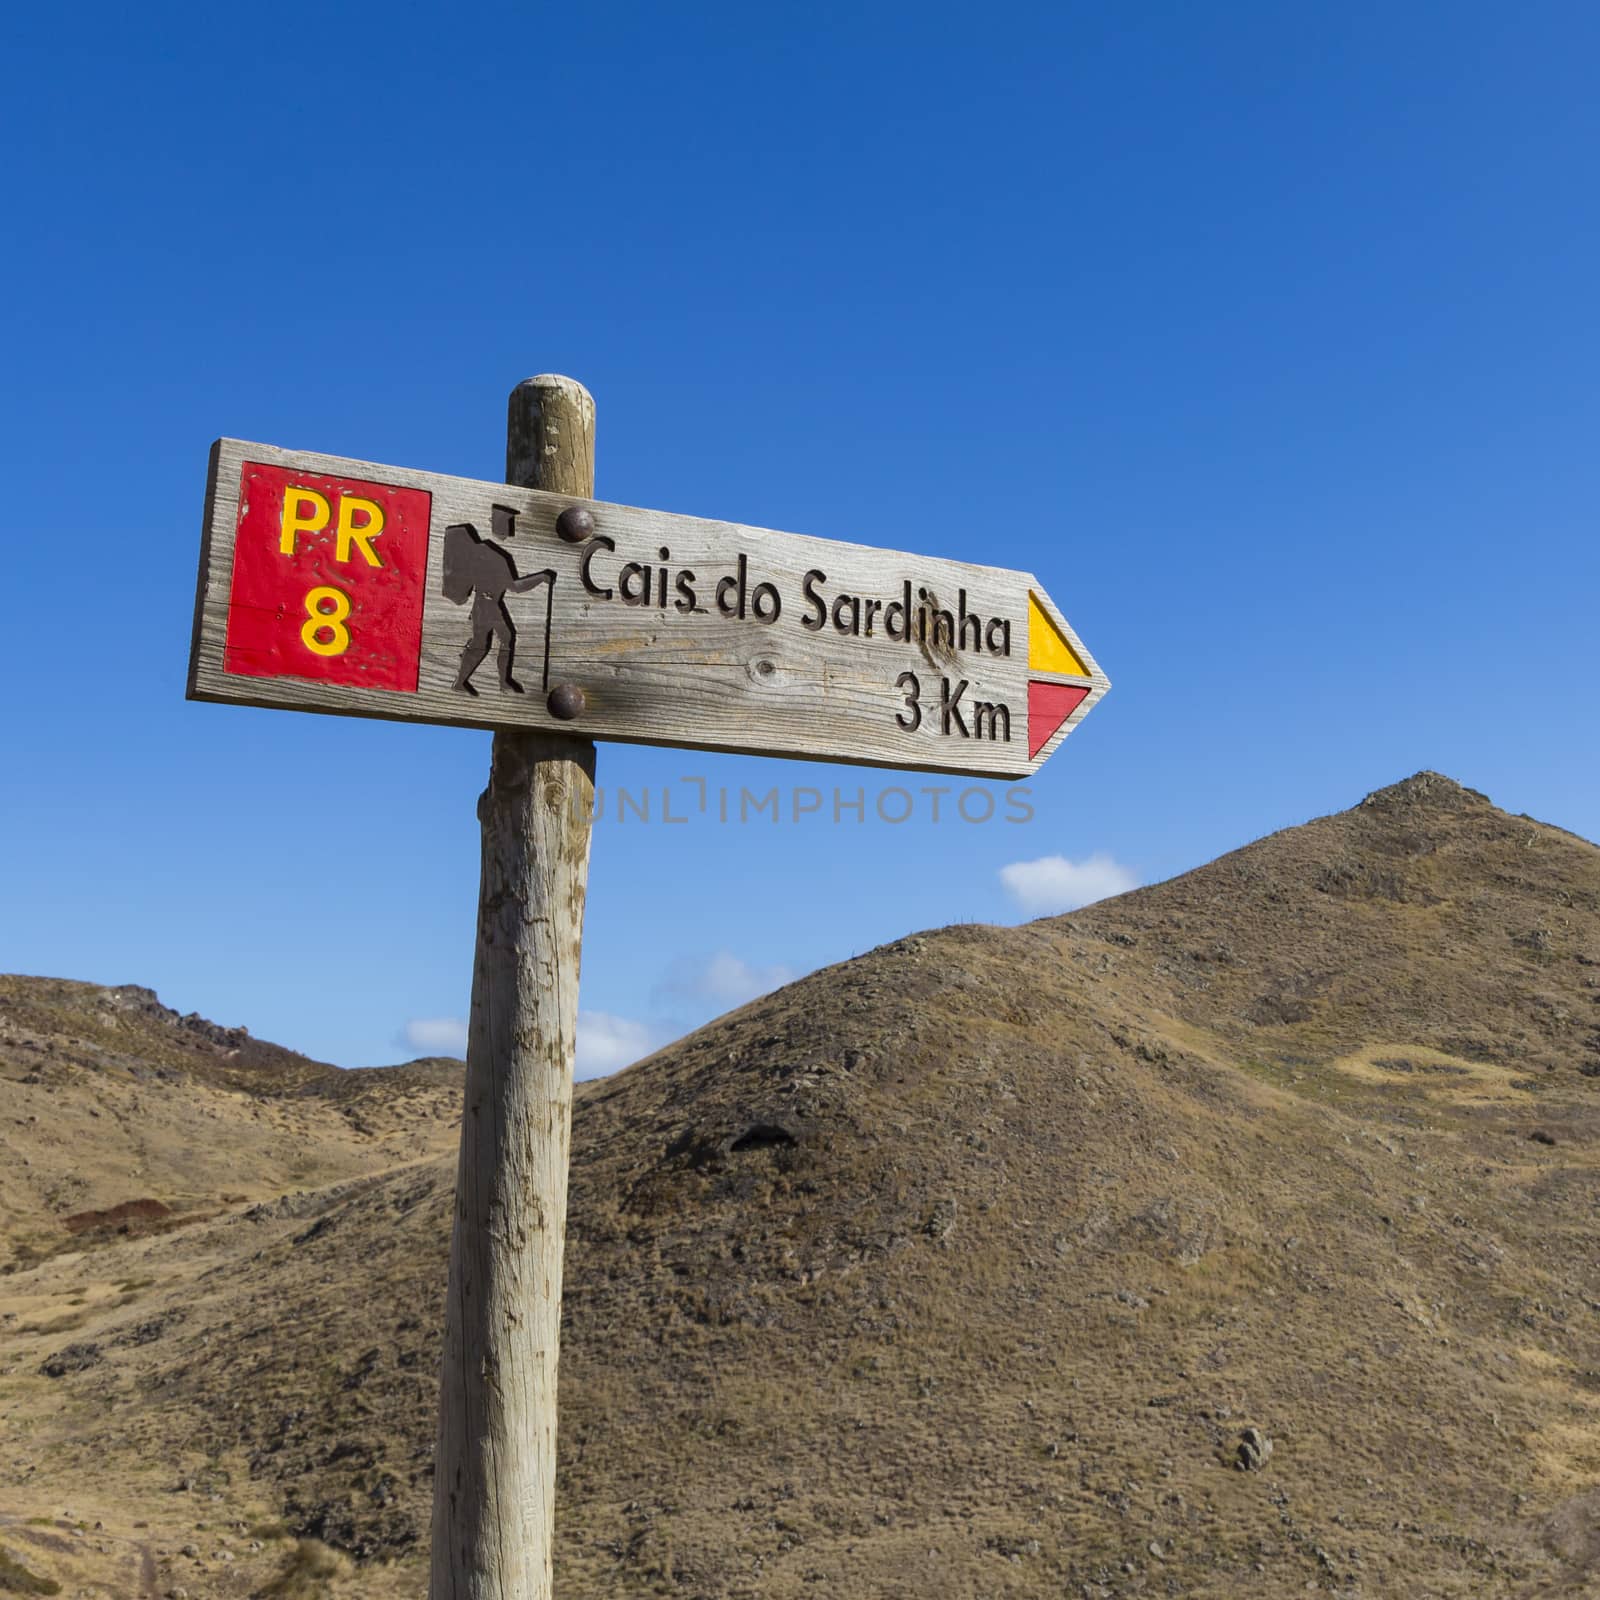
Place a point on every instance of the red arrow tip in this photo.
(1049, 705)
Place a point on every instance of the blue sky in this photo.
(1265, 334)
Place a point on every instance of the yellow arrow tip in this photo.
(1048, 650)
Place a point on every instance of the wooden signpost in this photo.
(334, 585)
(530, 608)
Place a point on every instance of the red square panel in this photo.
(328, 579)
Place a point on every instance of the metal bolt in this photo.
(575, 524)
(566, 699)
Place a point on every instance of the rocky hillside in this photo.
(1234, 1236)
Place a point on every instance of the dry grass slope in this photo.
(958, 1269)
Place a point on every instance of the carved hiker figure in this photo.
(483, 572)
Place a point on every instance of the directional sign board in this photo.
(340, 586)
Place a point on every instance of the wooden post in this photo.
(494, 1469)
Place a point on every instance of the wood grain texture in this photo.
(673, 673)
(494, 1485)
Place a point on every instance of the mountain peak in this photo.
(1425, 788)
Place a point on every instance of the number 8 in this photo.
(326, 610)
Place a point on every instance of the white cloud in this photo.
(607, 1043)
(436, 1036)
(724, 979)
(1052, 883)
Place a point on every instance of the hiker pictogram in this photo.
(483, 572)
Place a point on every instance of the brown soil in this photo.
(963, 1268)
